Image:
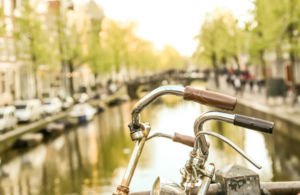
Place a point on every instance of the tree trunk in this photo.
(34, 67)
(292, 41)
(71, 80)
(224, 61)
(216, 71)
(116, 55)
(263, 71)
(237, 61)
(96, 74)
(293, 81)
(36, 95)
(279, 63)
(263, 64)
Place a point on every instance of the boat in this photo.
(81, 113)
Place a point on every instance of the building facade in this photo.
(17, 75)
(9, 67)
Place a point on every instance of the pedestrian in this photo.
(251, 84)
(237, 85)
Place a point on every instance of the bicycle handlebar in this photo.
(236, 119)
(205, 97)
(150, 97)
(253, 123)
(210, 98)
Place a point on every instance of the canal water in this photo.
(92, 158)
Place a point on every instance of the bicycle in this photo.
(195, 171)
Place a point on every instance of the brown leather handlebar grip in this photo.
(210, 98)
(184, 139)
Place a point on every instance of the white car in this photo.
(28, 110)
(67, 103)
(82, 113)
(8, 119)
(52, 105)
(82, 97)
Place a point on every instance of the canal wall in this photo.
(8, 139)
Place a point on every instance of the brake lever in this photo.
(164, 135)
(179, 138)
(224, 139)
(231, 144)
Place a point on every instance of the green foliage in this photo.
(275, 25)
(94, 48)
(219, 38)
(69, 40)
(264, 34)
(115, 38)
(120, 47)
(57, 38)
(142, 56)
(2, 24)
(31, 36)
(287, 15)
(170, 58)
(275, 29)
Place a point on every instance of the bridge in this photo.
(172, 76)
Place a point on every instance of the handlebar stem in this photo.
(123, 189)
(206, 180)
(198, 126)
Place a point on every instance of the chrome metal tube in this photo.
(160, 135)
(133, 162)
(231, 144)
(153, 95)
(207, 180)
(198, 126)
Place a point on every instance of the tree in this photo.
(170, 58)
(94, 48)
(276, 28)
(31, 39)
(124, 49)
(70, 45)
(234, 38)
(218, 39)
(288, 14)
(2, 23)
(265, 32)
(142, 55)
(120, 48)
(116, 39)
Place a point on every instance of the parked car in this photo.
(28, 110)
(52, 105)
(67, 103)
(81, 97)
(82, 113)
(8, 119)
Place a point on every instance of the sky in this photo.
(172, 22)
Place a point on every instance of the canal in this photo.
(92, 158)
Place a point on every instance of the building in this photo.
(9, 67)
(17, 75)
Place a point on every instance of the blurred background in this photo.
(71, 71)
